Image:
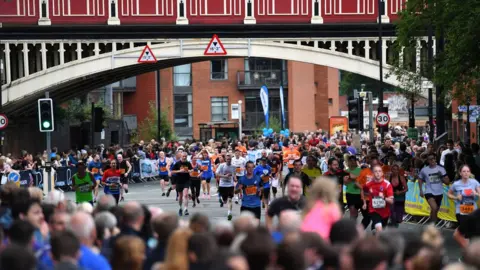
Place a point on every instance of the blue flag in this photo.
(283, 107)
(264, 99)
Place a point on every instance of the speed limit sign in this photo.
(383, 119)
(3, 121)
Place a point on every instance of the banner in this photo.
(283, 107)
(264, 99)
(148, 168)
(418, 206)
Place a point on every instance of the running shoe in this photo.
(230, 216)
(198, 201)
(163, 194)
(186, 212)
(208, 196)
(180, 212)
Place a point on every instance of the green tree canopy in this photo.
(147, 129)
(458, 66)
(350, 81)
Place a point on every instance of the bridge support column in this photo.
(249, 12)
(113, 13)
(181, 12)
(44, 13)
(316, 17)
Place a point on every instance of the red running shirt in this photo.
(375, 189)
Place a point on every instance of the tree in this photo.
(458, 65)
(273, 122)
(147, 129)
(78, 112)
(350, 81)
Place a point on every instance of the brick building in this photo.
(198, 96)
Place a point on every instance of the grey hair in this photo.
(105, 220)
(223, 226)
(289, 221)
(55, 197)
(82, 225)
(105, 203)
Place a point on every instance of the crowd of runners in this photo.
(292, 193)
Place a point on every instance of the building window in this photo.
(219, 69)
(219, 109)
(183, 110)
(182, 75)
(330, 101)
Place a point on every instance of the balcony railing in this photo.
(257, 78)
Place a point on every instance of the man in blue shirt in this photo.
(264, 172)
(251, 187)
(95, 167)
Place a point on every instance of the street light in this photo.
(240, 120)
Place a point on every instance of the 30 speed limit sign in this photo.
(3, 121)
(383, 119)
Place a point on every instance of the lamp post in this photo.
(460, 124)
(240, 120)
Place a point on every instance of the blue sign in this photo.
(264, 99)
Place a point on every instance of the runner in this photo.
(95, 167)
(164, 170)
(111, 179)
(265, 173)
(382, 198)
(434, 177)
(125, 169)
(338, 175)
(195, 180)
(289, 156)
(250, 186)
(400, 188)
(353, 188)
(206, 173)
(312, 170)
(297, 172)
(464, 193)
(83, 183)
(227, 177)
(240, 164)
(276, 164)
(182, 170)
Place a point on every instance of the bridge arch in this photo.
(89, 73)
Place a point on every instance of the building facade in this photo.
(198, 96)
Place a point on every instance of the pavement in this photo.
(150, 194)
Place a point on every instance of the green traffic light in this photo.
(46, 124)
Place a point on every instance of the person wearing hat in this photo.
(83, 184)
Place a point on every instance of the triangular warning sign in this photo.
(215, 47)
(147, 56)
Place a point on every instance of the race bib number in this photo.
(163, 169)
(251, 190)
(95, 170)
(204, 168)
(378, 202)
(466, 209)
(122, 171)
(84, 188)
(194, 174)
(238, 170)
(265, 178)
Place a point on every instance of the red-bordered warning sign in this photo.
(147, 56)
(215, 47)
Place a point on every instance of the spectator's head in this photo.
(199, 223)
(202, 249)
(21, 234)
(258, 248)
(163, 225)
(177, 250)
(65, 246)
(245, 223)
(369, 254)
(223, 232)
(58, 199)
(128, 253)
(289, 221)
(36, 193)
(294, 188)
(85, 207)
(58, 221)
(83, 226)
(105, 203)
(133, 215)
(17, 257)
(7, 193)
(29, 210)
(345, 232)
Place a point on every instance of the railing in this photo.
(258, 78)
(182, 79)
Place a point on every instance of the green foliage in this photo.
(350, 81)
(458, 66)
(147, 129)
(77, 111)
(273, 122)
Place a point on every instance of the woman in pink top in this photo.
(322, 209)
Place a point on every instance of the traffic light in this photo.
(355, 113)
(45, 115)
(98, 120)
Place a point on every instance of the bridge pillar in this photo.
(249, 12)
(317, 13)
(113, 13)
(44, 13)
